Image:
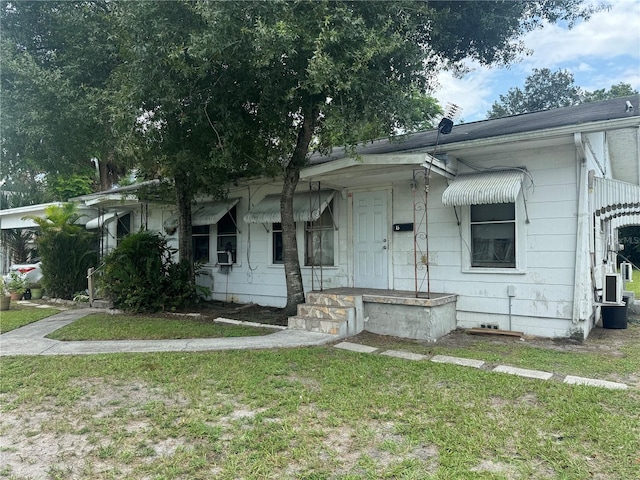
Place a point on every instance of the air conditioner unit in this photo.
(626, 270)
(612, 288)
(225, 257)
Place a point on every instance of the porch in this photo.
(348, 311)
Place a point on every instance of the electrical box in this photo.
(403, 227)
(511, 290)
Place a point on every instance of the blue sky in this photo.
(603, 51)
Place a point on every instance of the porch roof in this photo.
(307, 206)
(499, 186)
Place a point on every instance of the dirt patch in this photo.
(600, 340)
(209, 311)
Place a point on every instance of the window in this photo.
(124, 226)
(493, 235)
(277, 257)
(319, 240)
(200, 238)
(227, 237)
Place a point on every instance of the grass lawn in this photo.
(308, 413)
(101, 326)
(19, 316)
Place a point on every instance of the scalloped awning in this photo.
(613, 198)
(500, 186)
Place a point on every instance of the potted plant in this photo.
(16, 285)
(5, 298)
(36, 290)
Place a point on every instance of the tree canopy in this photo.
(544, 89)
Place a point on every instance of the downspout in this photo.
(580, 289)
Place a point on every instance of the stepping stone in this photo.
(522, 372)
(593, 382)
(404, 355)
(465, 362)
(355, 347)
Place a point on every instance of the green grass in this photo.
(311, 413)
(100, 326)
(635, 285)
(19, 316)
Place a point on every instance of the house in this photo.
(508, 223)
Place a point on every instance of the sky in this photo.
(601, 52)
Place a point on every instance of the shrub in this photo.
(66, 249)
(139, 275)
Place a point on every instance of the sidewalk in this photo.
(30, 340)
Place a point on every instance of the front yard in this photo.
(316, 413)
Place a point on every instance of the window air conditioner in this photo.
(626, 270)
(612, 288)
(225, 257)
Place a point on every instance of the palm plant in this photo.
(67, 250)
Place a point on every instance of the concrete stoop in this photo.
(99, 303)
(339, 315)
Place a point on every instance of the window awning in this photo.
(500, 186)
(307, 207)
(101, 220)
(211, 214)
(613, 198)
(207, 214)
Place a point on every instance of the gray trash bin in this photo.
(614, 316)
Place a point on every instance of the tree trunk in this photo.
(185, 245)
(293, 275)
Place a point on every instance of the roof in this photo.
(527, 122)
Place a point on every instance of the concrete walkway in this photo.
(30, 340)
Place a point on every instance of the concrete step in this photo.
(321, 325)
(331, 299)
(325, 311)
(101, 303)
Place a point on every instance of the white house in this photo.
(508, 223)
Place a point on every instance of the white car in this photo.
(32, 272)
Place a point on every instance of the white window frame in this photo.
(520, 243)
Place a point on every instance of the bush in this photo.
(139, 275)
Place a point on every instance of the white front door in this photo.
(371, 246)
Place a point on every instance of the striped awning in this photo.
(499, 186)
(613, 198)
(307, 207)
(206, 214)
(101, 220)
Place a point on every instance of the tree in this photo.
(360, 66)
(619, 90)
(181, 103)
(543, 90)
(56, 70)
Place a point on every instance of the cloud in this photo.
(603, 51)
(607, 34)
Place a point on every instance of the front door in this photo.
(371, 247)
